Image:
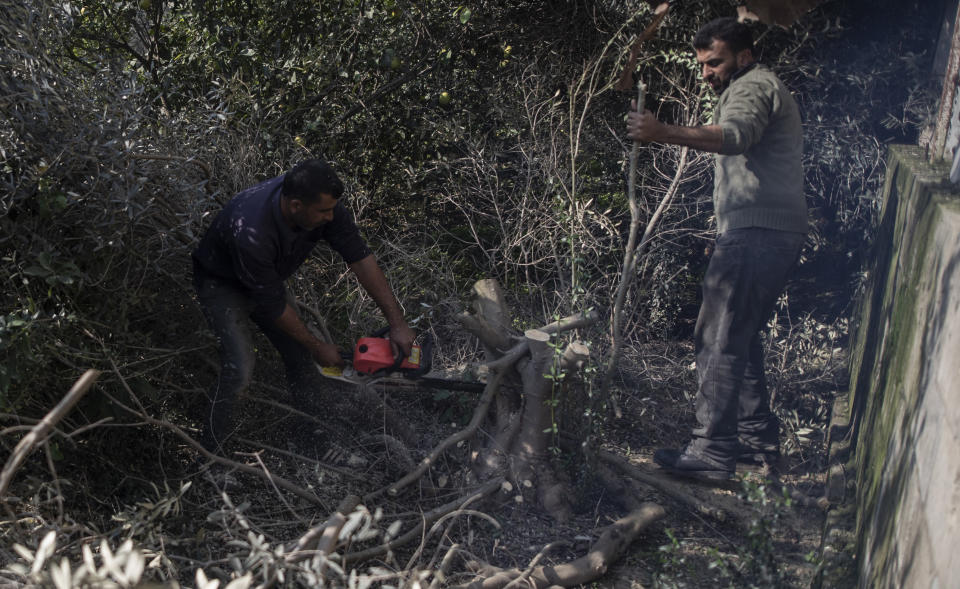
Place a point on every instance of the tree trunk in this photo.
(521, 429)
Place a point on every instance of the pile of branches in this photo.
(327, 552)
(104, 192)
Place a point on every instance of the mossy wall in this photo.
(904, 406)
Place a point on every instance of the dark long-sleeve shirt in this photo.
(251, 245)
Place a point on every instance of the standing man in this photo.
(255, 243)
(761, 224)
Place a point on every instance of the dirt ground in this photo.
(755, 531)
(759, 530)
(762, 529)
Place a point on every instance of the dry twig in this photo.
(39, 432)
(611, 544)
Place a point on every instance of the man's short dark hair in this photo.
(311, 178)
(735, 34)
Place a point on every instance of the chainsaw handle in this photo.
(426, 352)
(382, 333)
(426, 356)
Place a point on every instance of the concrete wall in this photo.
(945, 136)
(896, 441)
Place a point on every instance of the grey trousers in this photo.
(227, 310)
(746, 274)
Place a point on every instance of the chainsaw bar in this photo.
(433, 382)
(372, 361)
(347, 374)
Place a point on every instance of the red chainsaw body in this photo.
(372, 354)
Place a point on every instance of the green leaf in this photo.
(45, 261)
(465, 15)
(441, 395)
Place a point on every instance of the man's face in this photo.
(310, 215)
(719, 63)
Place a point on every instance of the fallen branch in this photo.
(322, 539)
(498, 370)
(534, 562)
(40, 431)
(662, 484)
(340, 471)
(451, 515)
(426, 463)
(269, 476)
(427, 519)
(606, 550)
(440, 575)
(273, 479)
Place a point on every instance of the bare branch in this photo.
(428, 518)
(611, 544)
(40, 431)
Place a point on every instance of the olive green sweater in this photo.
(759, 174)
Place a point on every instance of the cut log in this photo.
(606, 550)
(323, 538)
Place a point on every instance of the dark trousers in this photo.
(745, 276)
(227, 310)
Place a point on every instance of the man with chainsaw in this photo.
(761, 225)
(252, 246)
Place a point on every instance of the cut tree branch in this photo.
(40, 431)
(322, 539)
(428, 518)
(611, 544)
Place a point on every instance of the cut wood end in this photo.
(348, 504)
(536, 335)
(744, 14)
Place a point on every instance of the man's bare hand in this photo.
(401, 337)
(326, 354)
(643, 126)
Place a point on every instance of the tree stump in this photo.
(526, 369)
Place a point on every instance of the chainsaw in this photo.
(372, 360)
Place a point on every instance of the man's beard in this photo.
(720, 86)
